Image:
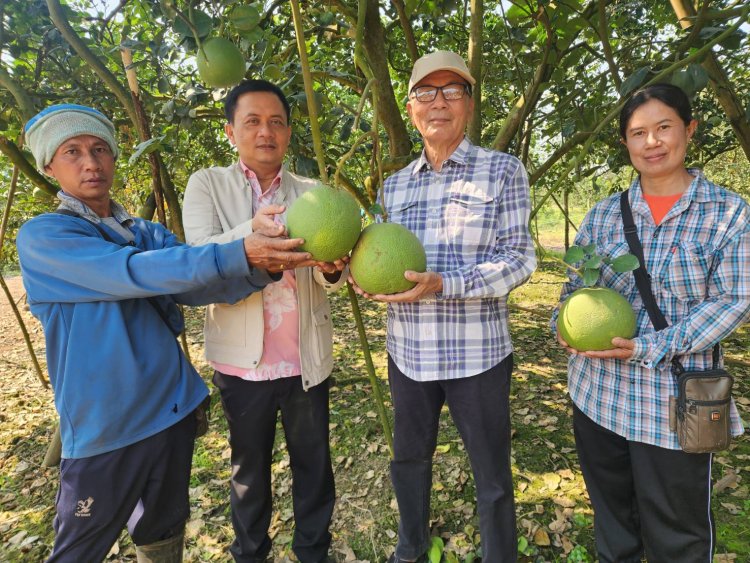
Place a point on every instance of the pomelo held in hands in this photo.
(329, 221)
(382, 254)
(592, 316)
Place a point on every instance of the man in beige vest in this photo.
(273, 351)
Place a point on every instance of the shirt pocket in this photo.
(621, 282)
(405, 213)
(323, 331)
(469, 219)
(685, 271)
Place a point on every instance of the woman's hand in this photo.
(622, 349)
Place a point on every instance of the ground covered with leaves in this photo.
(554, 515)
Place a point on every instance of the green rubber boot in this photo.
(164, 551)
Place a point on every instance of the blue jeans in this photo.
(479, 408)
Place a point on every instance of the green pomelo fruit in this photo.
(220, 63)
(592, 316)
(382, 254)
(329, 221)
(245, 17)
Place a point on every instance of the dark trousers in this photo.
(647, 500)
(479, 408)
(144, 485)
(251, 408)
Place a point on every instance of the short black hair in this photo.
(668, 94)
(254, 85)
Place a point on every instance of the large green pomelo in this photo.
(220, 63)
(382, 254)
(329, 221)
(592, 316)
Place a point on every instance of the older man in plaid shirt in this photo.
(448, 337)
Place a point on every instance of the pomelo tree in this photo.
(551, 77)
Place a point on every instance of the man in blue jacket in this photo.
(105, 287)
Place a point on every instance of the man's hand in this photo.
(274, 254)
(428, 283)
(329, 268)
(264, 224)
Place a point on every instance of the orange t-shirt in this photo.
(660, 205)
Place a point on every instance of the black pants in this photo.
(479, 408)
(647, 500)
(144, 485)
(251, 408)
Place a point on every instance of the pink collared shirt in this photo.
(280, 312)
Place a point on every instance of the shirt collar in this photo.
(459, 156)
(76, 205)
(699, 191)
(253, 177)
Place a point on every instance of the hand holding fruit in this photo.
(426, 285)
(622, 349)
(264, 223)
(273, 253)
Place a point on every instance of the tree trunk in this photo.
(390, 113)
(475, 66)
(719, 81)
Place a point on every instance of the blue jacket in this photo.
(118, 373)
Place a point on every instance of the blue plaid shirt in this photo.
(471, 217)
(699, 261)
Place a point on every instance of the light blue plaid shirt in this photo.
(701, 247)
(472, 219)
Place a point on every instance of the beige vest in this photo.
(218, 208)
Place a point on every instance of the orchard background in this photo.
(551, 75)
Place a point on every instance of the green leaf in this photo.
(376, 209)
(590, 276)
(593, 262)
(573, 255)
(734, 41)
(202, 22)
(163, 85)
(146, 147)
(589, 249)
(698, 77)
(625, 263)
(435, 553)
(634, 81)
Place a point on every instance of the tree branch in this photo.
(123, 96)
(11, 150)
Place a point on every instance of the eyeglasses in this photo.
(450, 92)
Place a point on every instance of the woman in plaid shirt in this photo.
(650, 498)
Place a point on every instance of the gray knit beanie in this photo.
(51, 127)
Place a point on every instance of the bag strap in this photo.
(106, 236)
(643, 280)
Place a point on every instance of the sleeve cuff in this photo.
(453, 285)
(646, 352)
(231, 260)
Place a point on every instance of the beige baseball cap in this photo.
(440, 60)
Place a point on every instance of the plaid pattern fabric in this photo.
(699, 261)
(472, 220)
